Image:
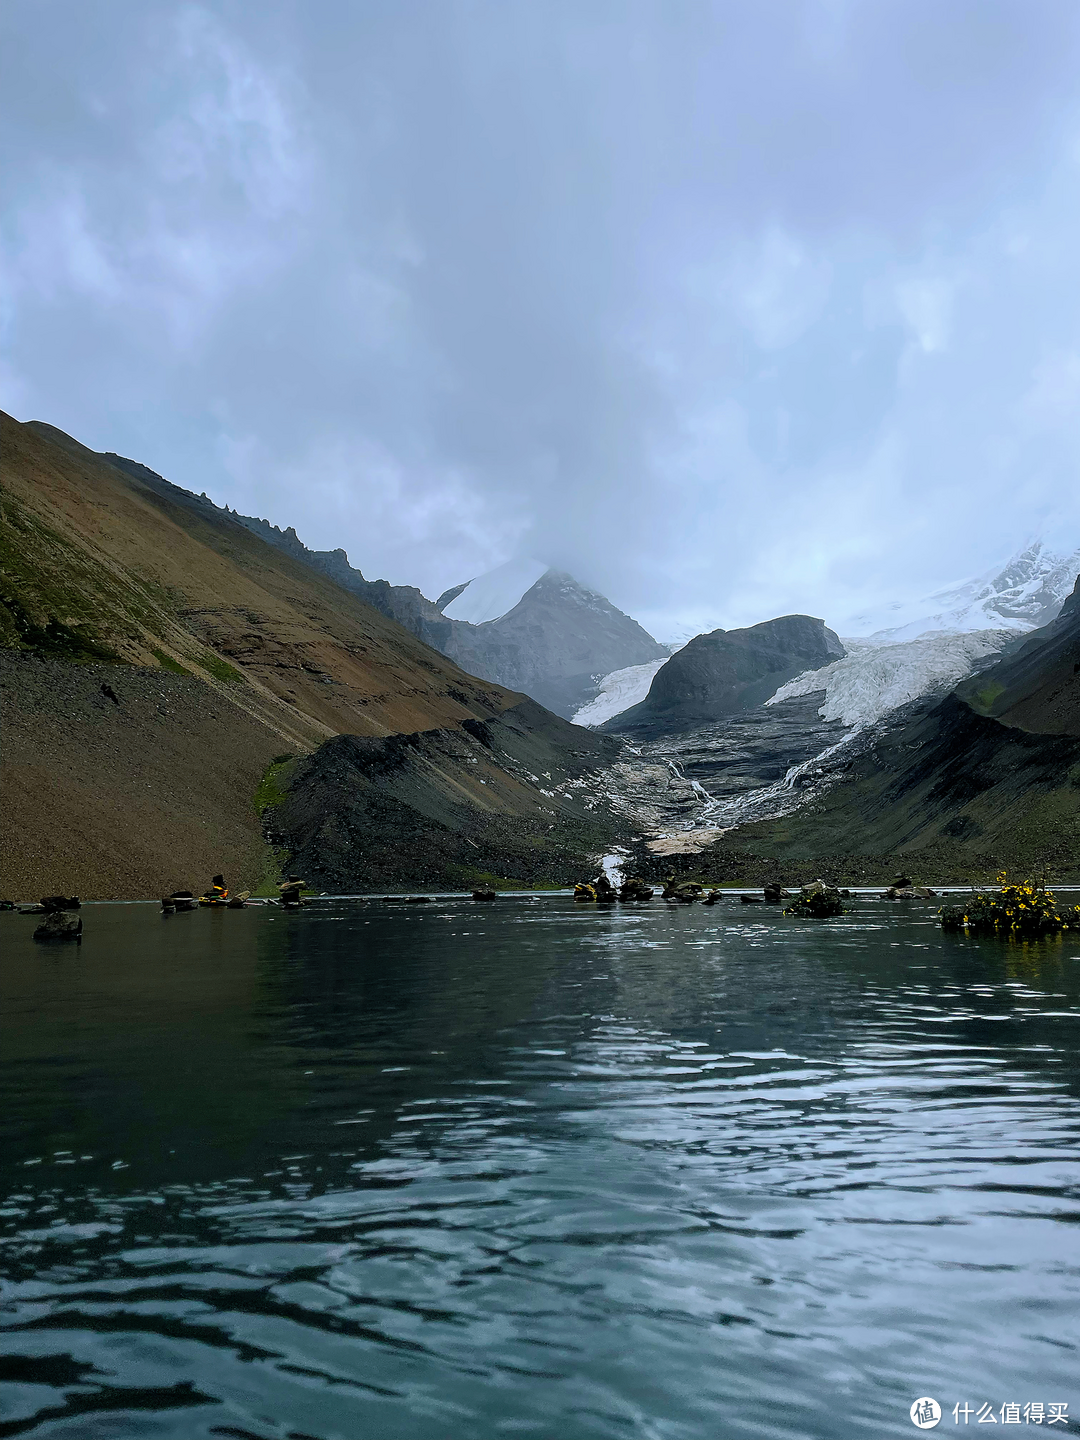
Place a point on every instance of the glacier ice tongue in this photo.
(873, 679)
(618, 691)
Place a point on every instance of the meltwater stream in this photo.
(368, 1172)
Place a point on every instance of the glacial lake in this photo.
(458, 1171)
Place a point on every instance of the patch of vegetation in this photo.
(168, 663)
(219, 669)
(272, 789)
(58, 603)
(817, 902)
(1020, 910)
(55, 639)
(983, 700)
(273, 872)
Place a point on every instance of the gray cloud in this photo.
(730, 309)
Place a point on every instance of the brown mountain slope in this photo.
(145, 575)
(227, 653)
(132, 790)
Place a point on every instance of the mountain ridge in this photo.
(160, 661)
(555, 642)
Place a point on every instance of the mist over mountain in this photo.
(631, 292)
(524, 625)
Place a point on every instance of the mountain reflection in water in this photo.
(534, 1168)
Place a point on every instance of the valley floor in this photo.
(935, 790)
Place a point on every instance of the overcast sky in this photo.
(732, 309)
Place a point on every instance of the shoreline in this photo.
(866, 892)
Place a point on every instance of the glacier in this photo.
(901, 653)
(492, 595)
(618, 691)
(936, 642)
(873, 679)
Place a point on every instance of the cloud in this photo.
(729, 310)
(926, 306)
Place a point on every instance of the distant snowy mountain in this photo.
(554, 641)
(901, 652)
(493, 595)
(1024, 593)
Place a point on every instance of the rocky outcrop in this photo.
(726, 671)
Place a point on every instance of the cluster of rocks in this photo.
(635, 889)
(819, 901)
(603, 892)
(62, 922)
(902, 888)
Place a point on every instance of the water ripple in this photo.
(376, 1178)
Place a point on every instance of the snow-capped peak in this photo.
(491, 595)
(1025, 592)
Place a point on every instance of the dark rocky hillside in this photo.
(450, 808)
(726, 671)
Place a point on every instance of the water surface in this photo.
(534, 1169)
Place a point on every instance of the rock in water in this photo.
(60, 925)
(818, 901)
(684, 890)
(635, 889)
